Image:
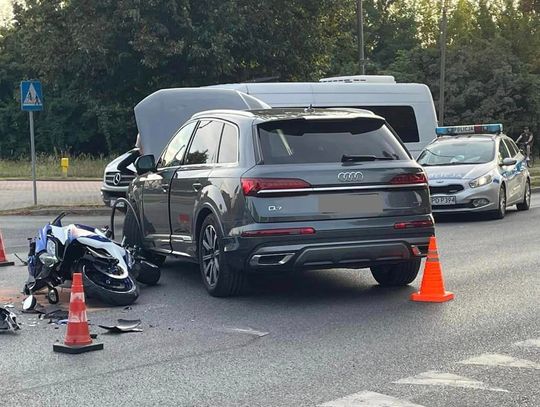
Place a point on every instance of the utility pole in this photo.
(443, 62)
(360, 34)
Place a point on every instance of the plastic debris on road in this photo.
(123, 326)
(8, 321)
(29, 304)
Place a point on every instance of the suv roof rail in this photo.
(242, 113)
(351, 110)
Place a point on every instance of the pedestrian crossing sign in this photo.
(31, 96)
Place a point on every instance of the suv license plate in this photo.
(443, 200)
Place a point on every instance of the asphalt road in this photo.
(329, 338)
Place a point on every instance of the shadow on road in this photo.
(299, 287)
(471, 217)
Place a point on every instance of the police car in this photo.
(476, 169)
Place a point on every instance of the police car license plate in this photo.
(443, 200)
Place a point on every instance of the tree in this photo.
(98, 59)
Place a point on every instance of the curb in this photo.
(55, 210)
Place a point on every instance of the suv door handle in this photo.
(197, 186)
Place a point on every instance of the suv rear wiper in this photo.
(347, 158)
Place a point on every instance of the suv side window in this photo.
(503, 151)
(174, 152)
(203, 149)
(228, 147)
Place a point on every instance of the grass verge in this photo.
(48, 167)
(87, 167)
(535, 176)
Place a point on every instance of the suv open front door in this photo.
(156, 189)
(189, 182)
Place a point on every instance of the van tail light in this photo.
(252, 186)
(414, 224)
(407, 179)
(278, 232)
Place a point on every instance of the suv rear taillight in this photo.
(251, 186)
(279, 232)
(407, 179)
(414, 224)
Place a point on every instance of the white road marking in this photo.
(434, 378)
(495, 359)
(531, 343)
(369, 399)
(248, 331)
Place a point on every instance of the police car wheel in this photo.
(501, 210)
(526, 203)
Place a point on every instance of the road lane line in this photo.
(435, 378)
(369, 399)
(496, 359)
(248, 331)
(530, 343)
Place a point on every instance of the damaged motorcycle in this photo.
(110, 271)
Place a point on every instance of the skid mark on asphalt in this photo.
(529, 343)
(496, 359)
(435, 378)
(369, 399)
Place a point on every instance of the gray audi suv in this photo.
(247, 193)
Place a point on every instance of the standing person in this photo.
(526, 139)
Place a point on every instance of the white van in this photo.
(408, 107)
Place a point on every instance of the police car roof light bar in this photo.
(494, 128)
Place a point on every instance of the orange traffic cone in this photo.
(432, 287)
(3, 259)
(77, 338)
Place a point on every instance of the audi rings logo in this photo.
(117, 178)
(350, 176)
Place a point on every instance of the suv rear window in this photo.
(324, 141)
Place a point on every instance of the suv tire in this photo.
(526, 203)
(219, 278)
(400, 274)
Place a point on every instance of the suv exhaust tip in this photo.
(275, 259)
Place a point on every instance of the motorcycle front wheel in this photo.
(101, 287)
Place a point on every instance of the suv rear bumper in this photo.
(336, 255)
(328, 249)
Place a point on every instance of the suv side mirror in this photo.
(145, 164)
(508, 161)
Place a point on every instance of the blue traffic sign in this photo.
(31, 96)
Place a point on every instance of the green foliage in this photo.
(98, 59)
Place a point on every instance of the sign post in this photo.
(32, 101)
